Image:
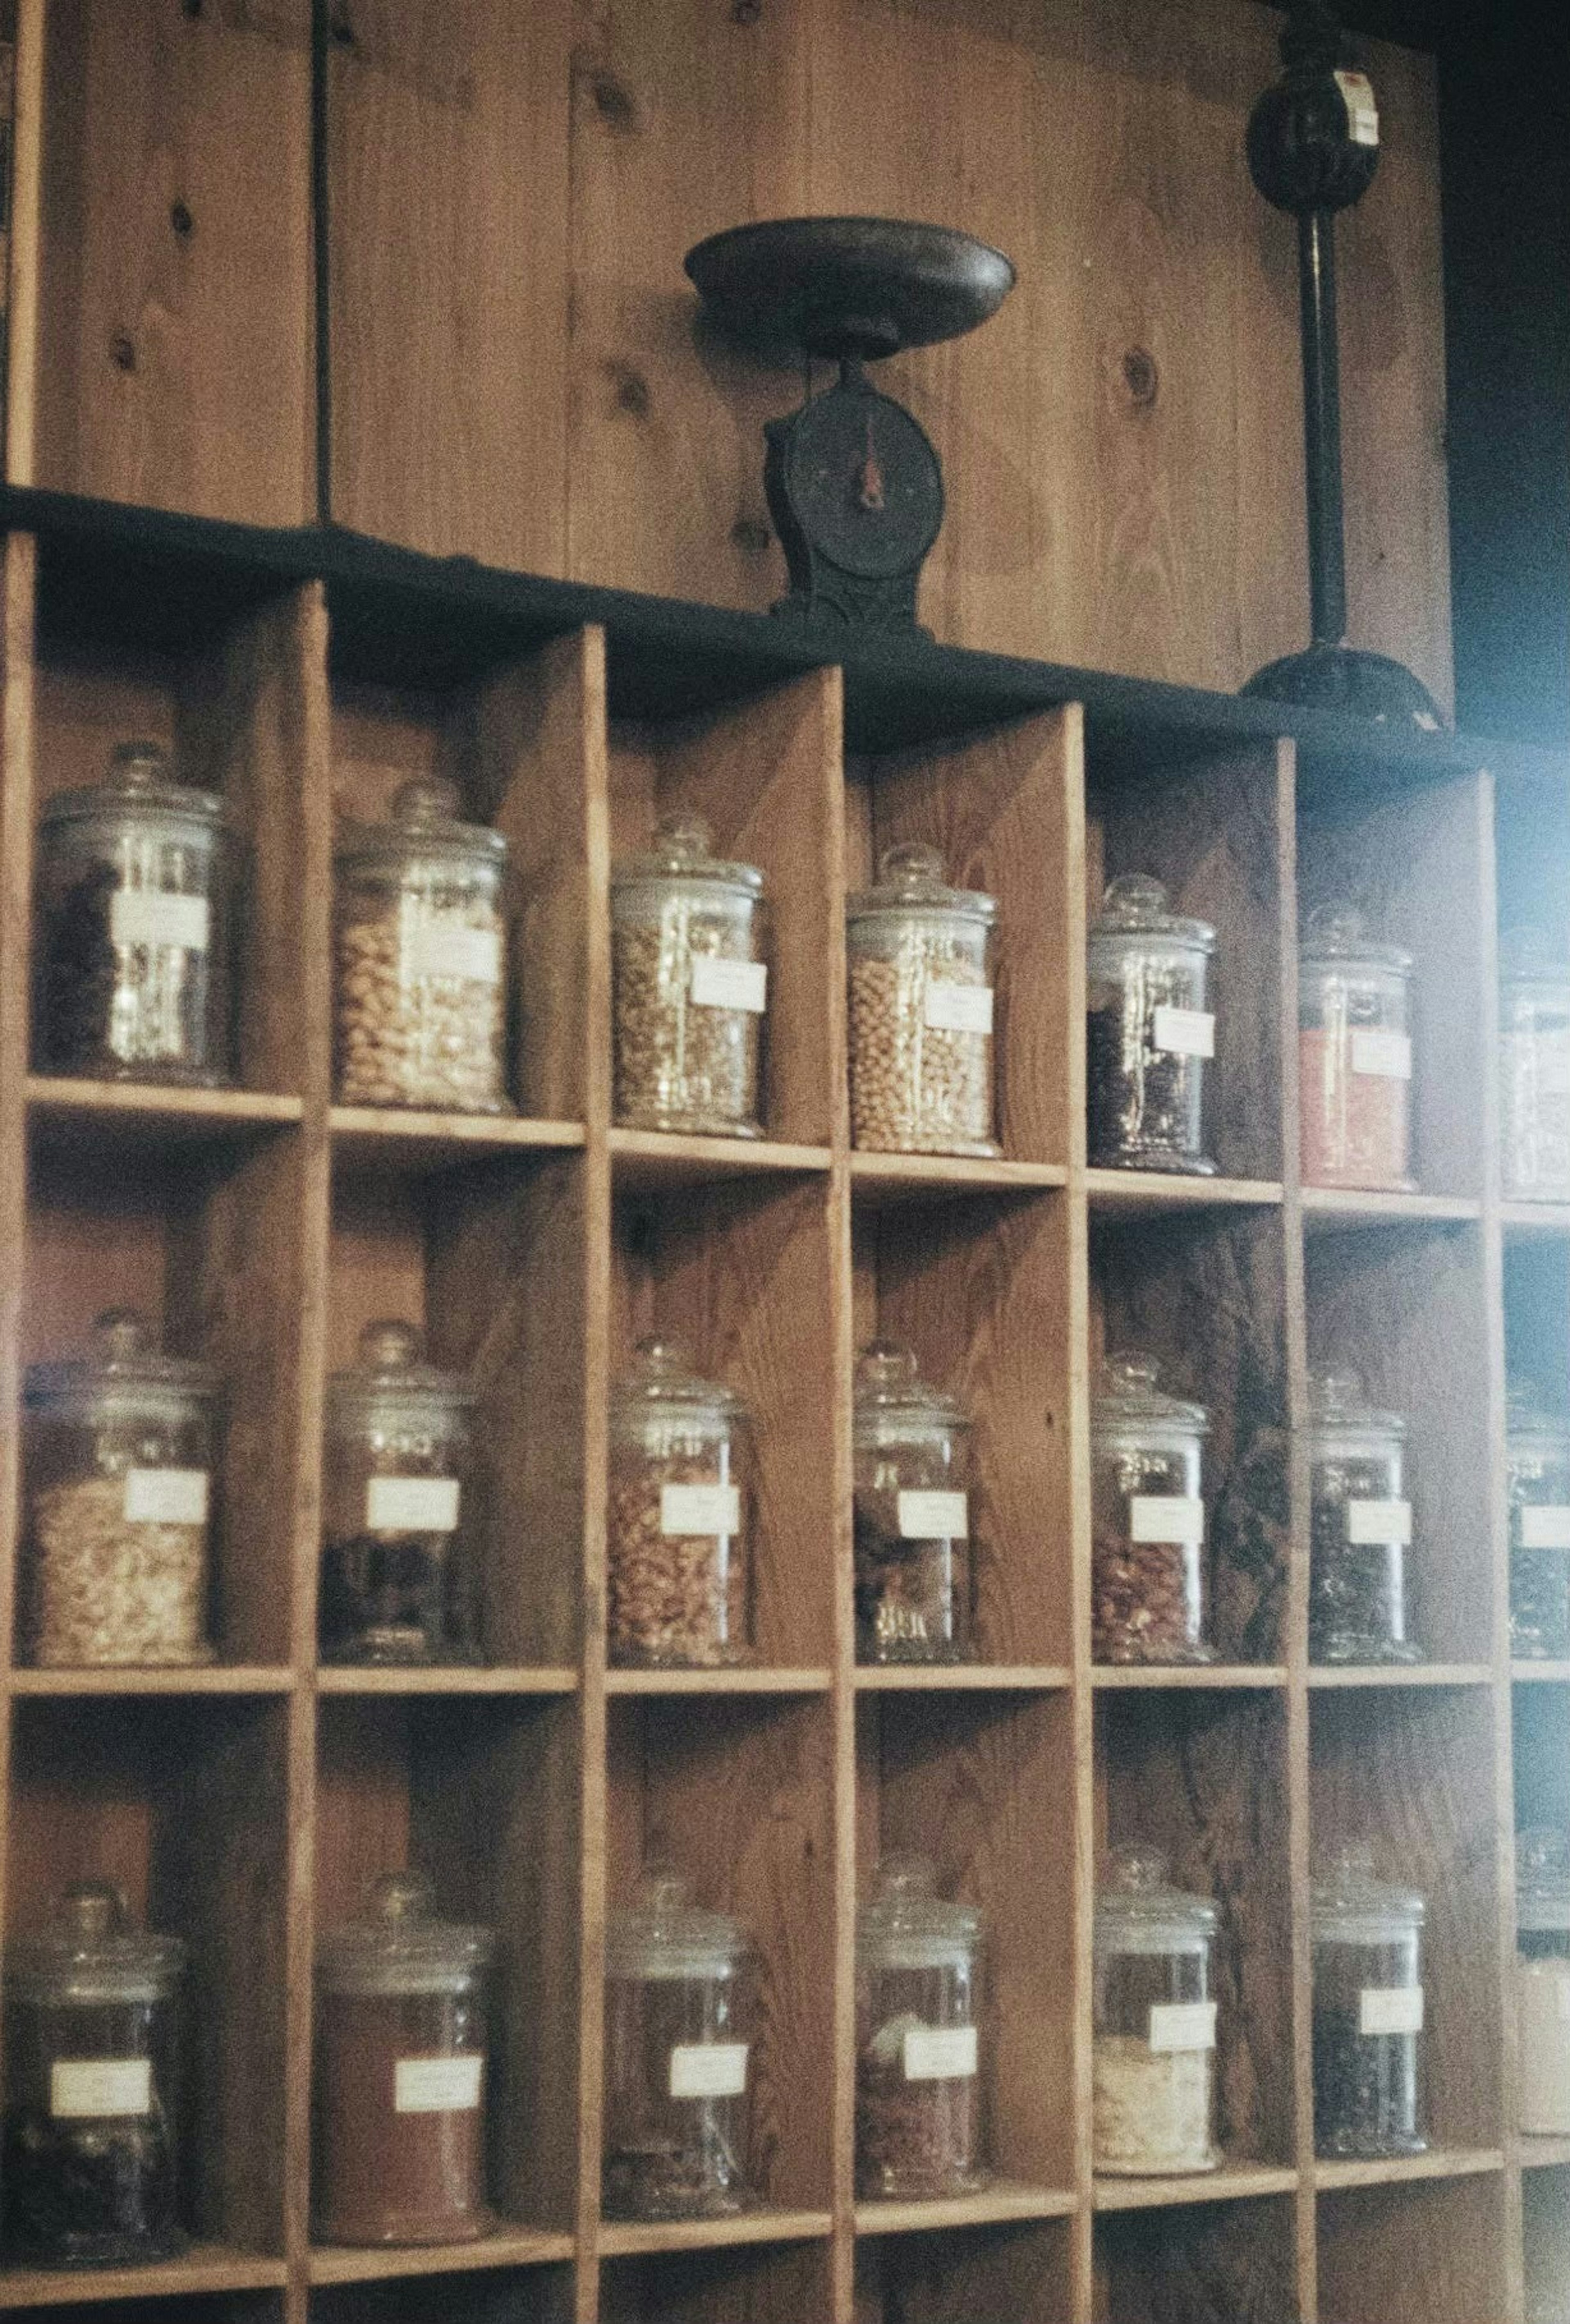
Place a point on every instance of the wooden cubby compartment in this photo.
(771, 2283)
(1545, 2205)
(1197, 2264)
(1429, 2254)
(161, 2307)
(1019, 2269)
(543, 2295)
(1541, 1759)
(1537, 1315)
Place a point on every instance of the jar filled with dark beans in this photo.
(913, 1569)
(1538, 1470)
(920, 2066)
(1361, 1527)
(1147, 1515)
(1368, 2011)
(1149, 1031)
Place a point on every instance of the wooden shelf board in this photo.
(205, 2268)
(382, 1136)
(1190, 1675)
(1439, 2162)
(1005, 2199)
(655, 1159)
(878, 1178)
(972, 1678)
(1544, 2153)
(514, 2247)
(525, 1679)
(1327, 1676)
(763, 1680)
(1232, 2183)
(1543, 1674)
(1525, 1221)
(97, 1114)
(211, 1678)
(632, 2238)
(1327, 1208)
(1141, 1193)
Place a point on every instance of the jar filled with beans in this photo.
(689, 987)
(1368, 2010)
(1538, 1473)
(913, 1561)
(921, 959)
(1354, 1055)
(1534, 1046)
(1360, 1527)
(1147, 1551)
(1154, 2049)
(118, 1460)
(679, 1588)
(920, 2068)
(421, 973)
(1149, 1031)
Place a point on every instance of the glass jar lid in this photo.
(1337, 936)
(910, 880)
(894, 1404)
(1529, 1426)
(1342, 1417)
(401, 1946)
(660, 1385)
(1130, 1401)
(664, 1934)
(1136, 905)
(905, 1924)
(138, 785)
(425, 821)
(1352, 1905)
(1138, 1911)
(682, 851)
(90, 1951)
(391, 1375)
(125, 1374)
(1543, 1881)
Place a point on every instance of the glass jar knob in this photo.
(1135, 899)
(885, 1368)
(912, 867)
(1137, 1871)
(425, 800)
(1129, 1372)
(92, 1910)
(390, 1345)
(400, 1897)
(120, 1334)
(682, 840)
(137, 766)
(1335, 927)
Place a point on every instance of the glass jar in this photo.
(679, 1533)
(913, 1572)
(690, 986)
(1534, 1048)
(90, 2171)
(399, 1507)
(1537, 1471)
(1543, 1981)
(1153, 2053)
(1354, 1055)
(419, 999)
(919, 2067)
(117, 1464)
(401, 2041)
(920, 957)
(679, 2012)
(1360, 1527)
(134, 928)
(1147, 1583)
(1148, 1031)
(1368, 2010)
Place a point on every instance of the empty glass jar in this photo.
(1368, 2010)
(680, 1532)
(691, 986)
(919, 2062)
(1361, 1527)
(1354, 1055)
(913, 1572)
(118, 1463)
(1147, 1515)
(90, 2171)
(401, 2044)
(399, 1507)
(1153, 2055)
(1534, 1039)
(679, 2029)
(921, 959)
(1149, 1030)
(1543, 1981)
(1537, 1471)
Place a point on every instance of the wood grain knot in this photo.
(613, 101)
(746, 12)
(192, 8)
(632, 390)
(341, 30)
(123, 351)
(751, 536)
(1140, 376)
(181, 221)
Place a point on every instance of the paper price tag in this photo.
(1545, 1528)
(166, 1496)
(1363, 113)
(1166, 1517)
(1183, 2025)
(708, 2069)
(700, 1509)
(940, 2053)
(730, 984)
(1391, 2010)
(1184, 1032)
(933, 1517)
(412, 1505)
(141, 916)
(1370, 1525)
(468, 955)
(82, 2089)
(436, 2085)
(958, 1008)
(1383, 1057)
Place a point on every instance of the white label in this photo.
(166, 1496)
(84, 2088)
(934, 1516)
(1363, 114)
(1386, 1056)
(1397, 2009)
(1166, 1517)
(700, 1509)
(412, 1505)
(940, 2053)
(141, 915)
(708, 2069)
(958, 1008)
(1183, 2025)
(730, 984)
(438, 947)
(436, 2085)
(1372, 1525)
(1545, 1528)
(1184, 1032)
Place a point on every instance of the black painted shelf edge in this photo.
(157, 579)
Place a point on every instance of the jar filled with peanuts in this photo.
(118, 1461)
(1360, 1527)
(1537, 1476)
(1153, 2054)
(680, 1592)
(1148, 1582)
(689, 987)
(913, 1571)
(134, 926)
(401, 1513)
(921, 959)
(1354, 1055)
(1149, 1031)
(1534, 1046)
(920, 2063)
(421, 987)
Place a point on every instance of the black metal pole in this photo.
(1322, 426)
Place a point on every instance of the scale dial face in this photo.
(863, 483)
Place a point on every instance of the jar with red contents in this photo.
(1355, 1056)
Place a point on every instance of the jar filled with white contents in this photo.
(117, 1466)
(1543, 1981)
(921, 959)
(1537, 1487)
(920, 2062)
(1534, 1056)
(1154, 2043)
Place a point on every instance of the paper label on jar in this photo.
(412, 1505)
(436, 2085)
(166, 1496)
(1184, 1032)
(730, 984)
(700, 1509)
(89, 2088)
(1166, 1517)
(1363, 113)
(1545, 1528)
(1385, 1056)
(1373, 1525)
(708, 2069)
(443, 947)
(1390, 2009)
(951, 1008)
(934, 1516)
(143, 915)
(1183, 2025)
(940, 2053)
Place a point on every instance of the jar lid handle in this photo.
(136, 766)
(910, 863)
(390, 1345)
(92, 1910)
(120, 1334)
(1130, 1369)
(1136, 899)
(425, 800)
(886, 1365)
(1138, 1870)
(684, 838)
(399, 1898)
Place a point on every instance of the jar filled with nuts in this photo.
(1534, 1047)
(400, 1509)
(1147, 1583)
(690, 987)
(920, 1011)
(1368, 2009)
(913, 1569)
(118, 1468)
(1354, 1055)
(421, 987)
(1148, 1031)
(1538, 1472)
(135, 928)
(918, 2038)
(1361, 1527)
(678, 1547)
(1154, 2048)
